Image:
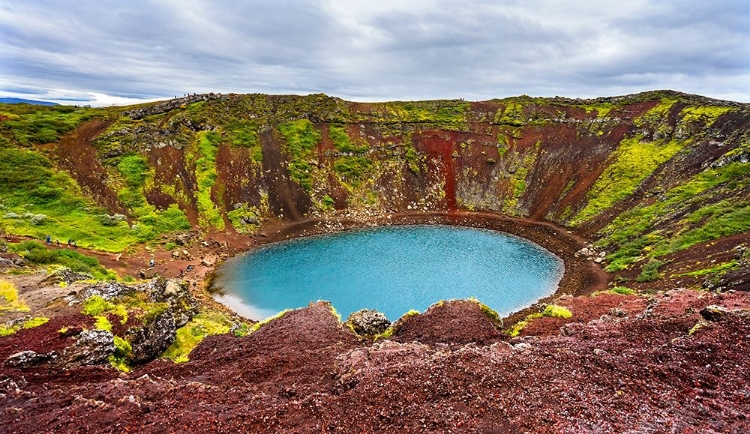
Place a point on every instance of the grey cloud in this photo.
(387, 50)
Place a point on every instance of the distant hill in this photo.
(25, 101)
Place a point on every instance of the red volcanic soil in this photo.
(305, 372)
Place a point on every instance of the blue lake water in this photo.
(390, 269)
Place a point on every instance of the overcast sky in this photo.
(115, 52)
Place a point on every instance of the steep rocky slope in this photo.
(646, 177)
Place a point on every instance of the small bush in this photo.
(95, 305)
(622, 290)
(650, 271)
(9, 298)
(557, 311)
(35, 322)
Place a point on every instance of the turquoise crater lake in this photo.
(390, 269)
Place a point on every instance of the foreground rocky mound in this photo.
(675, 362)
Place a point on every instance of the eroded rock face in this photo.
(182, 304)
(152, 339)
(368, 323)
(93, 347)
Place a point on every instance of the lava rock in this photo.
(147, 273)
(209, 261)
(26, 359)
(93, 347)
(368, 323)
(106, 290)
(712, 312)
(64, 275)
(152, 339)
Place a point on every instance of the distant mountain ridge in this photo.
(25, 101)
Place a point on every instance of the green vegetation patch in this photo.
(512, 115)
(706, 115)
(203, 154)
(123, 352)
(650, 271)
(193, 333)
(30, 323)
(634, 232)
(622, 290)
(28, 124)
(244, 133)
(631, 163)
(711, 270)
(38, 200)
(490, 312)
(9, 300)
(300, 140)
(37, 253)
(96, 306)
(450, 115)
(552, 310)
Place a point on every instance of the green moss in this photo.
(35, 322)
(96, 306)
(9, 300)
(203, 155)
(244, 133)
(28, 124)
(102, 323)
(724, 222)
(343, 143)
(412, 158)
(656, 114)
(512, 115)
(448, 115)
(551, 310)
(28, 324)
(622, 290)
(300, 140)
(556, 311)
(601, 110)
(650, 271)
(244, 211)
(123, 351)
(711, 270)
(491, 313)
(631, 163)
(705, 115)
(353, 170)
(193, 333)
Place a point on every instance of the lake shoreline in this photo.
(581, 276)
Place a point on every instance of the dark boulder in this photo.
(368, 323)
(93, 347)
(712, 312)
(153, 338)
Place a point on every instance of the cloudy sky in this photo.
(115, 52)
